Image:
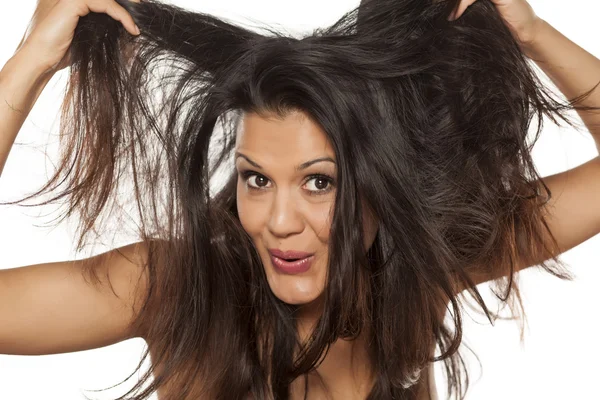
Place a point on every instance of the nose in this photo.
(285, 218)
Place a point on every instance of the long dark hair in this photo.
(429, 120)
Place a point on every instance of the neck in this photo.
(345, 372)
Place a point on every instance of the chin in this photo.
(295, 290)
(297, 300)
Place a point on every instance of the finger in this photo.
(117, 12)
(461, 8)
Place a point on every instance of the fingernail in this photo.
(137, 30)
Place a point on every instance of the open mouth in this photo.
(292, 265)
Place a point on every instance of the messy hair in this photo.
(429, 120)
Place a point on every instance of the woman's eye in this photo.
(259, 181)
(319, 184)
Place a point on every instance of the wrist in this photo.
(529, 39)
(23, 73)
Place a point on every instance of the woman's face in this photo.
(285, 198)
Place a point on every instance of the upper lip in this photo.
(289, 254)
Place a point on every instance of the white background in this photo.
(557, 360)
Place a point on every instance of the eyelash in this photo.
(247, 174)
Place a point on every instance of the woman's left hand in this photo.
(517, 14)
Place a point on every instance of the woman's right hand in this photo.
(50, 32)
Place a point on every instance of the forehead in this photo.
(293, 137)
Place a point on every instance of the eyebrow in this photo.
(300, 167)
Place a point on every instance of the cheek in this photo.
(253, 212)
(319, 216)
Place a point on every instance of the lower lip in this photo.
(292, 267)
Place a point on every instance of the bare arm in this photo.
(20, 86)
(572, 69)
(50, 308)
(43, 51)
(573, 214)
(53, 308)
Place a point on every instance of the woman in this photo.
(385, 154)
